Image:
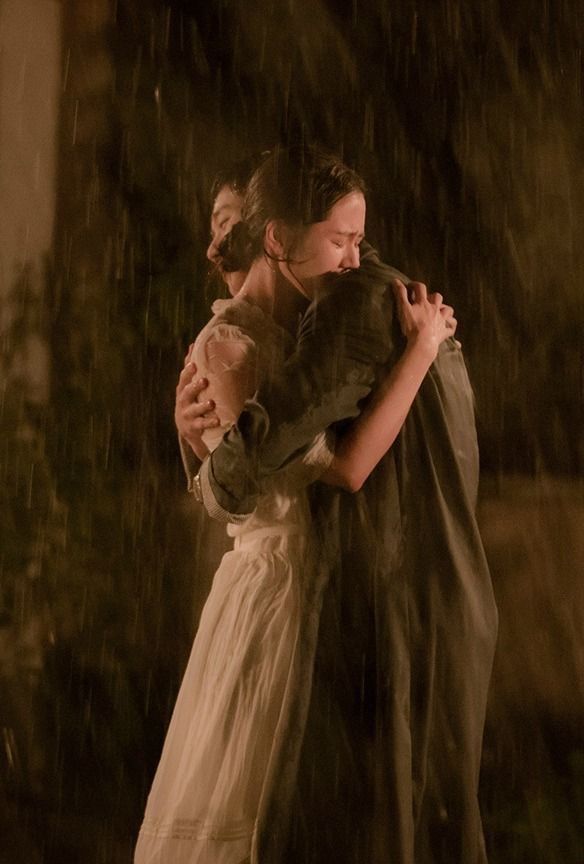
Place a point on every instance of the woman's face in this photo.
(226, 213)
(326, 247)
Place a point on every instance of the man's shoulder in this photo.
(373, 270)
(367, 286)
(372, 273)
(359, 302)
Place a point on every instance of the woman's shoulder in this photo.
(239, 312)
(230, 320)
(235, 320)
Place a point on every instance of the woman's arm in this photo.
(426, 323)
(343, 338)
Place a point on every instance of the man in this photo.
(391, 756)
(227, 192)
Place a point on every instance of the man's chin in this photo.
(234, 281)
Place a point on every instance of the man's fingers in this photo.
(201, 423)
(195, 388)
(199, 409)
(190, 391)
(186, 376)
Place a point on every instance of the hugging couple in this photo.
(333, 705)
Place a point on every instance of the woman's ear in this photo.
(275, 239)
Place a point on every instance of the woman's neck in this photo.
(265, 287)
(259, 287)
(290, 304)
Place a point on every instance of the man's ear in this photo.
(275, 239)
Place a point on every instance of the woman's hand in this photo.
(425, 320)
(191, 415)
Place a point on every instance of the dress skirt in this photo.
(225, 738)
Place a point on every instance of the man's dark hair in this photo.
(238, 174)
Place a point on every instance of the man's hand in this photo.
(193, 414)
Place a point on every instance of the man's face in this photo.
(226, 213)
(327, 247)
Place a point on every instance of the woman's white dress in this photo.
(233, 739)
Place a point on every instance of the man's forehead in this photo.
(224, 208)
(226, 201)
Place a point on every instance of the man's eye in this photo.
(338, 243)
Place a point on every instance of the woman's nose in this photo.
(351, 259)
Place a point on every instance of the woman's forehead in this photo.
(347, 215)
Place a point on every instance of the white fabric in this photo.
(222, 743)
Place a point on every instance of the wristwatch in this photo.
(195, 488)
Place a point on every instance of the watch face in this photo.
(196, 488)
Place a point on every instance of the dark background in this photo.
(466, 120)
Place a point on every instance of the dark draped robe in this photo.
(385, 740)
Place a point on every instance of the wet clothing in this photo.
(391, 752)
(233, 743)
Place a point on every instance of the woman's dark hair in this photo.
(297, 185)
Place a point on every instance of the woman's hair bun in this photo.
(237, 249)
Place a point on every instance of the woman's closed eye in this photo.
(340, 243)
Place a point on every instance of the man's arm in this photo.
(344, 337)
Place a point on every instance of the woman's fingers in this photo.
(400, 291)
(420, 311)
(418, 291)
(415, 292)
(447, 313)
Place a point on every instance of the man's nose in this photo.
(212, 250)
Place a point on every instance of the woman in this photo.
(238, 719)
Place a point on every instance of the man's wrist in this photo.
(194, 487)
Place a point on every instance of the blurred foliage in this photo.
(97, 573)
